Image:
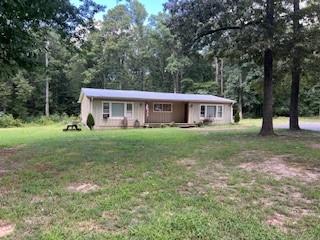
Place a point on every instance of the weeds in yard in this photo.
(138, 184)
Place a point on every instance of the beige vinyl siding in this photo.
(85, 109)
(100, 122)
(176, 115)
(194, 113)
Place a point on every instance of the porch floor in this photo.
(159, 125)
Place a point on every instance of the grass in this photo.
(156, 184)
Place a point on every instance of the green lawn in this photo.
(208, 183)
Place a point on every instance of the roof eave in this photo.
(161, 100)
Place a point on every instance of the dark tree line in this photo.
(263, 29)
(250, 51)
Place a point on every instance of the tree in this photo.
(170, 51)
(295, 69)
(267, 124)
(299, 33)
(176, 66)
(201, 23)
(21, 20)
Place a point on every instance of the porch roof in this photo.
(132, 95)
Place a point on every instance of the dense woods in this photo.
(235, 49)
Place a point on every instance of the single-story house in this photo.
(109, 107)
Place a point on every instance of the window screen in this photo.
(117, 109)
(211, 111)
(166, 107)
(129, 110)
(219, 112)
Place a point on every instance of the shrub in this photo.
(90, 121)
(124, 123)
(136, 124)
(54, 118)
(172, 124)
(207, 121)
(7, 120)
(44, 120)
(199, 124)
(237, 117)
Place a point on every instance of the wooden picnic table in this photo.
(73, 126)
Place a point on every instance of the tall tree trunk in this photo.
(143, 81)
(47, 111)
(217, 69)
(175, 83)
(267, 124)
(240, 95)
(221, 78)
(296, 70)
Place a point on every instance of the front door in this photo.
(186, 112)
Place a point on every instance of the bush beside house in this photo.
(237, 117)
(90, 121)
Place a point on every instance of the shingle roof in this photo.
(154, 96)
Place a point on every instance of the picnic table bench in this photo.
(73, 126)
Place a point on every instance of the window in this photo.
(106, 110)
(219, 112)
(117, 110)
(166, 107)
(162, 107)
(157, 107)
(211, 111)
(203, 111)
(129, 110)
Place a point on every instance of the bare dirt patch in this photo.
(7, 166)
(277, 167)
(277, 220)
(7, 152)
(315, 145)
(90, 226)
(212, 177)
(43, 167)
(109, 226)
(3, 171)
(192, 188)
(284, 222)
(37, 199)
(82, 187)
(188, 163)
(6, 228)
(214, 173)
(36, 221)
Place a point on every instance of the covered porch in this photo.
(166, 112)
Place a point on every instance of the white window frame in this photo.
(206, 110)
(162, 107)
(125, 109)
(218, 111)
(103, 109)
